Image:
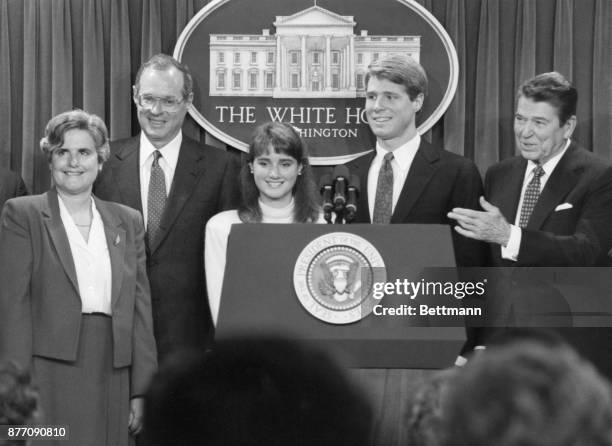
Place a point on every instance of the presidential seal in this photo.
(334, 277)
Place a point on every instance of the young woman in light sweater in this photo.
(277, 186)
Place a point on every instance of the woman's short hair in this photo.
(75, 120)
(281, 138)
(400, 69)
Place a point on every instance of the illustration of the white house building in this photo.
(314, 53)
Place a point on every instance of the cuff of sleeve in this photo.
(461, 361)
(511, 250)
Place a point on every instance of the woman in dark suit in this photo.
(74, 295)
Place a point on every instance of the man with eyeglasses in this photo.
(177, 184)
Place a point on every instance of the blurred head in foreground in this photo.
(18, 399)
(425, 414)
(528, 393)
(255, 392)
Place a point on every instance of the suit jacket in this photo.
(11, 185)
(437, 182)
(578, 234)
(40, 305)
(205, 183)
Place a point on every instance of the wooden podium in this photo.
(386, 356)
(259, 297)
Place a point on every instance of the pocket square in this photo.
(563, 207)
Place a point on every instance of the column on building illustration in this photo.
(351, 62)
(328, 63)
(303, 76)
(346, 69)
(277, 81)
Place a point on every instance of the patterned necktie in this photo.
(156, 200)
(383, 203)
(532, 193)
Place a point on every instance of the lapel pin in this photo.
(117, 240)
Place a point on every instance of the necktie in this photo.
(156, 200)
(532, 193)
(383, 202)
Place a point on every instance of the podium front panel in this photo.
(259, 299)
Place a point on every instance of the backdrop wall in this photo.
(61, 54)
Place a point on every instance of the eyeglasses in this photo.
(168, 104)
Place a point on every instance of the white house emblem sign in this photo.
(304, 62)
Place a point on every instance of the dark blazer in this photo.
(437, 182)
(11, 185)
(205, 183)
(580, 235)
(40, 306)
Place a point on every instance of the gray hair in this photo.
(80, 120)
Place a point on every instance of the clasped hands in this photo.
(488, 225)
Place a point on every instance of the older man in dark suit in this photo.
(552, 205)
(406, 179)
(11, 185)
(178, 184)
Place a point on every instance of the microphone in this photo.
(341, 175)
(351, 201)
(325, 188)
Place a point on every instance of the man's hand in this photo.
(488, 225)
(136, 414)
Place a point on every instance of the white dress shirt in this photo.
(91, 261)
(402, 160)
(168, 161)
(511, 250)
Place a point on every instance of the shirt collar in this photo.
(71, 226)
(549, 165)
(404, 154)
(170, 151)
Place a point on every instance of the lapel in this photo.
(53, 222)
(361, 168)
(562, 180)
(127, 173)
(508, 192)
(115, 241)
(189, 169)
(421, 171)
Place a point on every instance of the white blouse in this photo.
(215, 247)
(91, 261)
